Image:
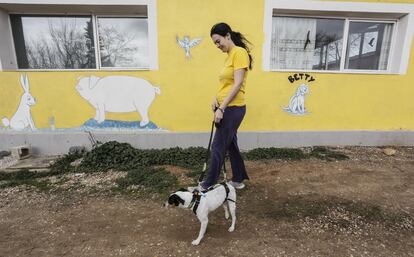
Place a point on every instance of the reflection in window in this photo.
(67, 42)
(306, 43)
(123, 42)
(368, 45)
(54, 42)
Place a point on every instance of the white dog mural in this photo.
(22, 118)
(297, 101)
(118, 94)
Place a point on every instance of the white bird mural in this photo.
(186, 43)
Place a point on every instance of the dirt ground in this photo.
(363, 206)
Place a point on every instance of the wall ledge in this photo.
(56, 143)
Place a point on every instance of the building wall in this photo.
(336, 102)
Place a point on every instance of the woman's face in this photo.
(223, 43)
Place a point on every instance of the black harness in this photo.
(197, 197)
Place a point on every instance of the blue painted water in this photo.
(117, 124)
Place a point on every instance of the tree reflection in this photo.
(65, 46)
(115, 46)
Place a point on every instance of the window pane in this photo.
(368, 45)
(306, 43)
(54, 42)
(123, 42)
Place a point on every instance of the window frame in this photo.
(400, 15)
(106, 8)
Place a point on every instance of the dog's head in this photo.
(179, 198)
(303, 89)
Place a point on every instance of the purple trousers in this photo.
(225, 140)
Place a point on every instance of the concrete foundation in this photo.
(53, 143)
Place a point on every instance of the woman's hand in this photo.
(214, 105)
(218, 115)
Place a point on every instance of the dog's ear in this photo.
(175, 199)
(182, 190)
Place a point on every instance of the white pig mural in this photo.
(118, 94)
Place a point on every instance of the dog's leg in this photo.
(204, 222)
(226, 211)
(232, 207)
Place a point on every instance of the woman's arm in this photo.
(238, 81)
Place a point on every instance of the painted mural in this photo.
(296, 104)
(118, 94)
(181, 60)
(22, 118)
(186, 44)
(115, 94)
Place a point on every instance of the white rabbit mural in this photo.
(22, 118)
(118, 94)
(297, 101)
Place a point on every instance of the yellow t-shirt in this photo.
(237, 58)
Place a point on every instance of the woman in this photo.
(229, 106)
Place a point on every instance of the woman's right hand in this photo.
(214, 105)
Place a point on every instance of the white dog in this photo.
(297, 101)
(202, 203)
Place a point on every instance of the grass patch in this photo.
(123, 156)
(274, 153)
(23, 177)
(138, 163)
(157, 180)
(324, 153)
(62, 165)
(23, 174)
(318, 152)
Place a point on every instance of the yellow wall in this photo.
(335, 102)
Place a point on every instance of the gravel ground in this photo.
(362, 206)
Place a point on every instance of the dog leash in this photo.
(200, 179)
(207, 154)
(224, 169)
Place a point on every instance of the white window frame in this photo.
(402, 15)
(82, 8)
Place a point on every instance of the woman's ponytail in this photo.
(239, 40)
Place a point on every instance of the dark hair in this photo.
(238, 39)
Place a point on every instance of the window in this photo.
(53, 42)
(123, 42)
(369, 45)
(307, 43)
(80, 42)
(337, 36)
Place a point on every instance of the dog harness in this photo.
(197, 196)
